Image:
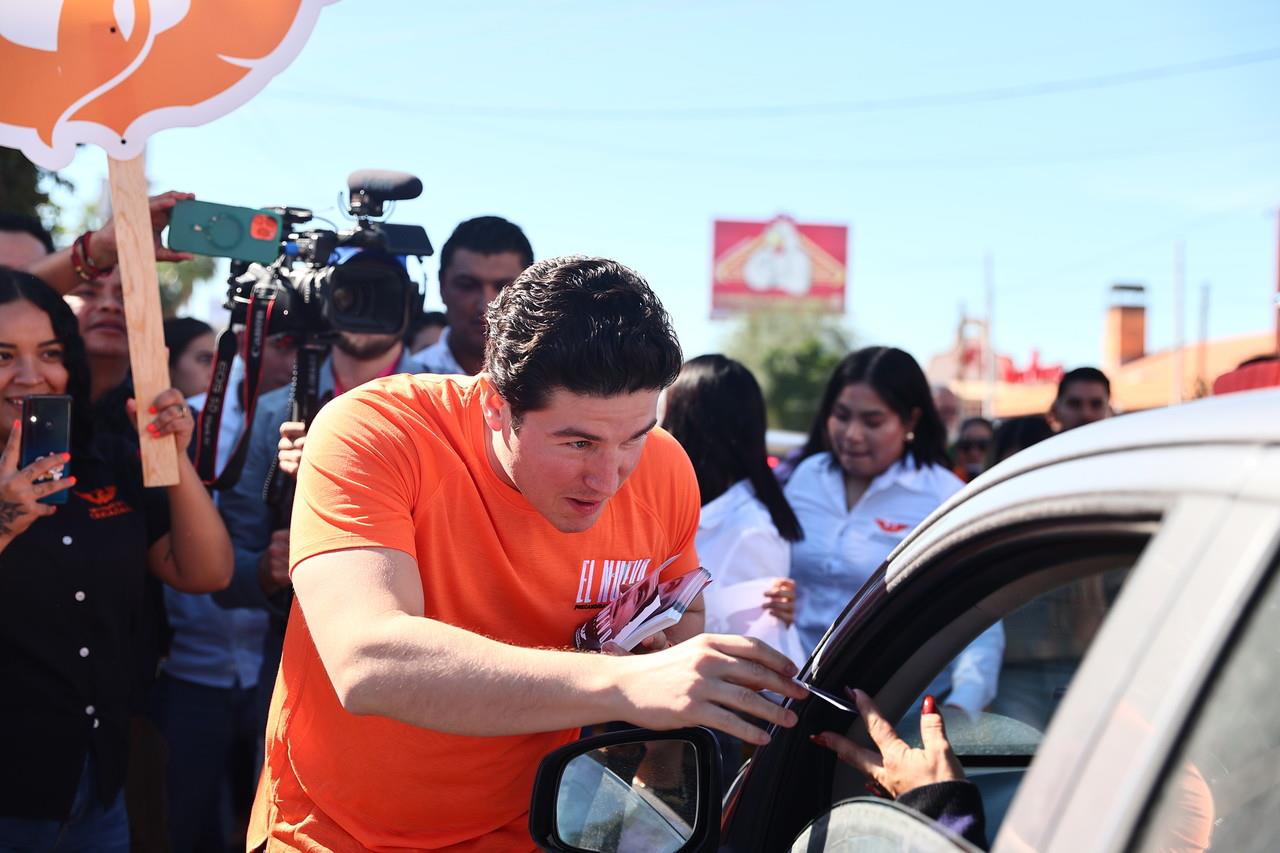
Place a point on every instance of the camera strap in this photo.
(261, 306)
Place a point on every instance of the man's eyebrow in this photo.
(576, 432)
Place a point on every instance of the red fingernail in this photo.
(818, 739)
(71, 480)
(153, 429)
(152, 410)
(928, 706)
(66, 457)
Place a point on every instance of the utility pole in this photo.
(989, 407)
(1179, 286)
(1202, 355)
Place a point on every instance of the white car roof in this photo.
(1251, 417)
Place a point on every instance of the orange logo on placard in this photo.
(113, 72)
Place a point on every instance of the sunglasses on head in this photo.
(967, 444)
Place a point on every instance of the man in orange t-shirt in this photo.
(449, 534)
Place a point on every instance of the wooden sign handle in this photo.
(143, 319)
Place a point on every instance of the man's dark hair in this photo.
(27, 225)
(897, 379)
(975, 421)
(486, 235)
(588, 325)
(1083, 374)
(715, 409)
(1014, 435)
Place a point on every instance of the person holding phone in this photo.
(71, 582)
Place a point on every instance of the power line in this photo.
(872, 105)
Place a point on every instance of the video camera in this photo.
(328, 281)
(311, 284)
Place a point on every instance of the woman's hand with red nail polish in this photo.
(897, 767)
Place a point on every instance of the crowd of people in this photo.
(381, 658)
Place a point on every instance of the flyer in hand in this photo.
(646, 608)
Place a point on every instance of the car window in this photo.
(1222, 790)
(1044, 642)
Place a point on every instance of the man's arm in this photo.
(364, 608)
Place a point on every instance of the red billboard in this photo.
(765, 264)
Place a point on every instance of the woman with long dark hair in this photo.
(874, 467)
(71, 580)
(716, 411)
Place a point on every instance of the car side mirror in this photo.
(630, 790)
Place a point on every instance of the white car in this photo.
(1148, 541)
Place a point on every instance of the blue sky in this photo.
(1075, 142)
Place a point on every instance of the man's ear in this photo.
(1055, 423)
(496, 410)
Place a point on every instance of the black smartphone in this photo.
(46, 429)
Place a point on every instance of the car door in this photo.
(987, 557)
(1159, 681)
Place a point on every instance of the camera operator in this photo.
(482, 256)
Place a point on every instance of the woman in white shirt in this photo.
(874, 467)
(716, 411)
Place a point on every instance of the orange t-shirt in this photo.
(401, 463)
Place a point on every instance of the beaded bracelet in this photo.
(81, 261)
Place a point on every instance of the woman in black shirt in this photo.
(71, 581)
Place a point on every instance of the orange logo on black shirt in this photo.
(104, 503)
(99, 497)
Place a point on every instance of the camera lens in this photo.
(344, 299)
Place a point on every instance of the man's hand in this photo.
(293, 435)
(780, 600)
(103, 248)
(897, 768)
(273, 568)
(707, 681)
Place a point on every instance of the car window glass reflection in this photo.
(629, 798)
(1045, 641)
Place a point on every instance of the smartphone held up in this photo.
(46, 430)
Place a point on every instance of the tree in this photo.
(792, 352)
(177, 281)
(24, 187)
